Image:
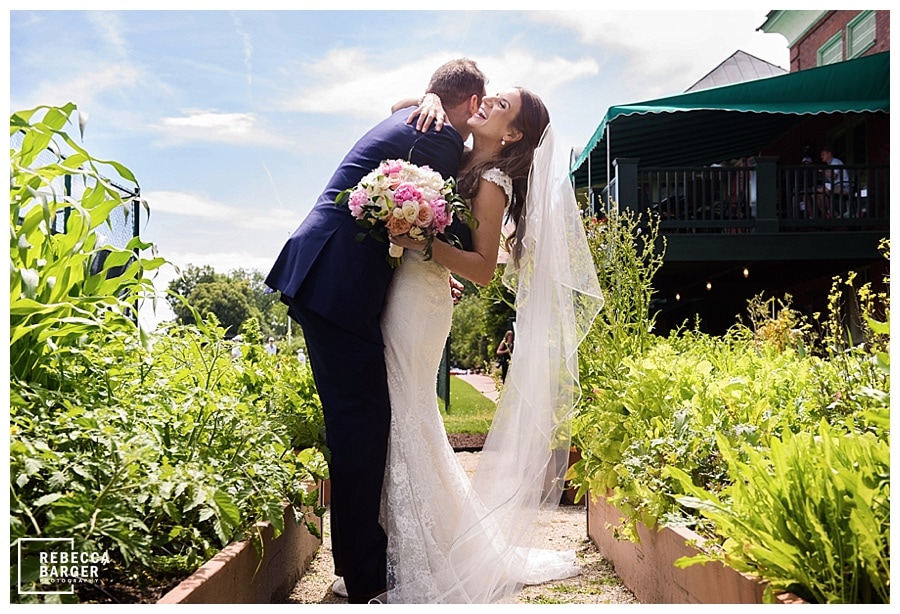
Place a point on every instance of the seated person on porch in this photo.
(836, 184)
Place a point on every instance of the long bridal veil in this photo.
(522, 466)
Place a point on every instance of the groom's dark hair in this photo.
(456, 81)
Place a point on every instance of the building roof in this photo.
(739, 67)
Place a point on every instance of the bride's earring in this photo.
(502, 142)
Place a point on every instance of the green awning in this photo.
(732, 121)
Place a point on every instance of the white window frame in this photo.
(861, 34)
(823, 55)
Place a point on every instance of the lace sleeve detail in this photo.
(495, 175)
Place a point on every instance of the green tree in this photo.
(499, 312)
(273, 313)
(467, 341)
(233, 297)
(480, 320)
(231, 302)
(184, 284)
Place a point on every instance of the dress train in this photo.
(447, 543)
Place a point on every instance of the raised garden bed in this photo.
(647, 568)
(237, 575)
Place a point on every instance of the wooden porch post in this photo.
(626, 182)
(766, 197)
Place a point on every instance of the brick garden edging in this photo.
(232, 575)
(647, 568)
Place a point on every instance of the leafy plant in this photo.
(628, 251)
(809, 514)
(155, 449)
(777, 327)
(733, 418)
(666, 408)
(153, 455)
(55, 295)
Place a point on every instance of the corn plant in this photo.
(55, 297)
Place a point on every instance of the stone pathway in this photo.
(564, 529)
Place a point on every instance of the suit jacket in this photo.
(322, 266)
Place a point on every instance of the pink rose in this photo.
(358, 200)
(391, 170)
(391, 167)
(424, 217)
(397, 225)
(407, 192)
(441, 216)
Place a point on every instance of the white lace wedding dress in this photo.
(446, 542)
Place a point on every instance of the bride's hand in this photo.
(430, 110)
(407, 242)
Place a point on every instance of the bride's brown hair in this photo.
(515, 160)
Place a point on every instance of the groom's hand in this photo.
(456, 289)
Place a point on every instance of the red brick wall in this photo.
(803, 53)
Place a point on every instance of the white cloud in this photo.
(661, 50)
(201, 206)
(85, 88)
(351, 84)
(193, 205)
(213, 126)
(543, 74)
(111, 28)
(271, 220)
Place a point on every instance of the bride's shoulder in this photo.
(498, 177)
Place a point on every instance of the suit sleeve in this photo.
(442, 151)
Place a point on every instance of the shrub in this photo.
(748, 425)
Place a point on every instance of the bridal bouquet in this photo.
(404, 199)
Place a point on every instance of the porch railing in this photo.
(763, 197)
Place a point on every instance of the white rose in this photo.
(410, 211)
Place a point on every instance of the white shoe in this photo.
(339, 588)
(382, 598)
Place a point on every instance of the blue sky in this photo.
(233, 120)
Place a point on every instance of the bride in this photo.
(452, 540)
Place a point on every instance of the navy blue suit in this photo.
(335, 288)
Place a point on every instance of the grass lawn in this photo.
(470, 411)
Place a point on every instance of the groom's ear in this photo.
(474, 103)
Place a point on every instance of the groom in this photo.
(335, 288)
